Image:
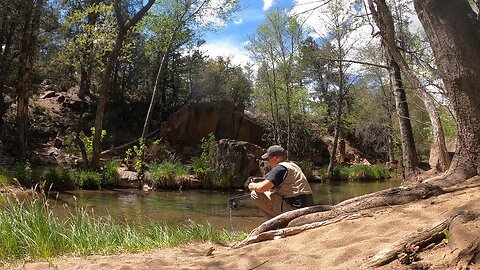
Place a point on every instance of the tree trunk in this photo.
(386, 24)
(409, 154)
(124, 27)
(452, 28)
(389, 107)
(102, 98)
(156, 87)
(437, 129)
(27, 52)
(384, 21)
(338, 120)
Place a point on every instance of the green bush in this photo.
(201, 164)
(109, 174)
(167, 174)
(219, 179)
(86, 179)
(58, 178)
(25, 175)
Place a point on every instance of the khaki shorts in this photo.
(271, 204)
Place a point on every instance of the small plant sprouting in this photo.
(447, 236)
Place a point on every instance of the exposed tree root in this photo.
(283, 219)
(456, 231)
(392, 196)
(281, 233)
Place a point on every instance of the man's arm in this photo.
(261, 187)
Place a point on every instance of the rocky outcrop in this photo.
(239, 158)
(196, 121)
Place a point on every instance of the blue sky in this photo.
(229, 40)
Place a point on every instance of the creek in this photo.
(202, 206)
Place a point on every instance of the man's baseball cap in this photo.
(274, 150)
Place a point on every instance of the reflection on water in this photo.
(174, 207)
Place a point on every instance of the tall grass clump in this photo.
(86, 179)
(58, 178)
(167, 174)
(30, 229)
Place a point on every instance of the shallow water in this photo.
(175, 207)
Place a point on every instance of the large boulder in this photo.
(196, 121)
(239, 158)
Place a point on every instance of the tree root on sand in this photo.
(456, 232)
(281, 233)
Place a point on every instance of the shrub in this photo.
(87, 179)
(167, 174)
(109, 174)
(58, 178)
(219, 179)
(201, 164)
(24, 174)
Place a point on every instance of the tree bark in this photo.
(33, 10)
(124, 27)
(409, 152)
(452, 28)
(437, 129)
(384, 21)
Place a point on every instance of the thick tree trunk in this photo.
(102, 98)
(452, 28)
(384, 21)
(32, 20)
(124, 27)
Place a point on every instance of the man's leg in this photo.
(271, 204)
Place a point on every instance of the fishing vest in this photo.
(295, 183)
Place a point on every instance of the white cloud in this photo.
(238, 21)
(267, 4)
(226, 48)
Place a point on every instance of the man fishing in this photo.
(285, 188)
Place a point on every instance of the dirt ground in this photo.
(344, 245)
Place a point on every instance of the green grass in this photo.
(167, 174)
(86, 179)
(357, 173)
(30, 229)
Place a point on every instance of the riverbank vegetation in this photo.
(30, 229)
